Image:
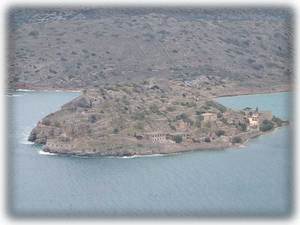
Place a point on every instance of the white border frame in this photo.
(5, 4)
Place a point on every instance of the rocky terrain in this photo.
(156, 116)
(91, 48)
(148, 76)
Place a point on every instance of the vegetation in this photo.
(220, 133)
(242, 126)
(266, 126)
(115, 130)
(236, 140)
(216, 105)
(46, 121)
(178, 139)
(154, 108)
(139, 115)
(207, 139)
(277, 120)
(92, 118)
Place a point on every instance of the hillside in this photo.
(90, 48)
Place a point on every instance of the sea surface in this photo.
(255, 180)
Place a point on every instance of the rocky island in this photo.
(153, 117)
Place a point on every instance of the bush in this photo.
(34, 33)
(182, 116)
(266, 125)
(46, 122)
(92, 119)
(200, 111)
(242, 126)
(220, 133)
(236, 140)
(207, 139)
(178, 138)
(216, 105)
(115, 130)
(219, 115)
(154, 108)
(171, 108)
(139, 116)
(277, 120)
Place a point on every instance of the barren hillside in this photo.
(80, 48)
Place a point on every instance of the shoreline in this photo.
(234, 92)
(258, 91)
(224, 147)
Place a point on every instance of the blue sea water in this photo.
(252, 181)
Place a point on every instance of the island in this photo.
(152, 117)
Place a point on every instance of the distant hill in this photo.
(93, 47)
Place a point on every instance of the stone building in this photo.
(156, 137)
(253, 120)
(209, 117)
(265, 115)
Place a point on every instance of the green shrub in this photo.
(219, 115)
(154, 108)
(115, 130)
(182, 116)
(277, 120)
(139, 126)
(224, 120)
(139, 116)
(220, 133)
(216, 105)
(207, 139)
(266, 125)
(171, 108)
(242, 126)
(46, 122)
(178, 138)
(92, 118)
(236, 140)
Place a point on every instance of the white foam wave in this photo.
(14, 95)
(140, 156)
(41, 152)
(25, 90)
(25, 142)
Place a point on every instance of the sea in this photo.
(255, 180)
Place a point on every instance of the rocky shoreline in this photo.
(168, 150)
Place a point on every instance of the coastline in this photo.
(174, 151)
(257, 91)
(234, 92)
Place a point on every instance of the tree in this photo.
(277, 120)
(115, 130)
(220, 133)
(236, 140)
(207, 139)
(178, 138)
(266, 126)
(242, 126)
(92, 118)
